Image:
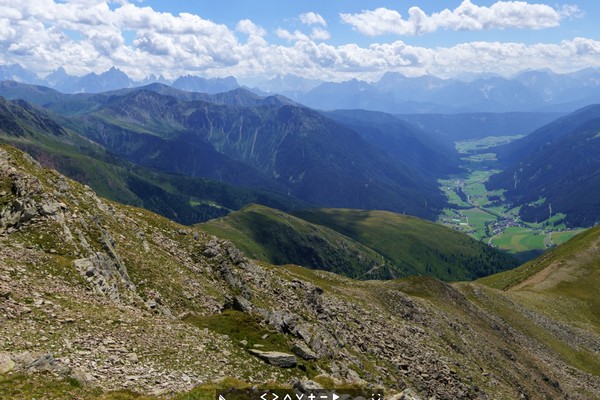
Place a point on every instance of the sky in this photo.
(332, 40)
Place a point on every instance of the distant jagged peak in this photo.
(59, 72)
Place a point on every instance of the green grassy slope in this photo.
(274, 236)
(575, 255)
(363, 244)
(557, 292)
(423, 247)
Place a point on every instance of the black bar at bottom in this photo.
(294, 394)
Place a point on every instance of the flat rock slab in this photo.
(276, 358)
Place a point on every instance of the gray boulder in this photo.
(276, 358)
(304, 352)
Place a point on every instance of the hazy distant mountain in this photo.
(14, 72)
(555, 169)
(112, 79)
(291, 86)
(559, 89)
(352, 94)
(197, 84)
(395, 93)
(410, 89)
(152, 79)
(529, 91)
(60, 79)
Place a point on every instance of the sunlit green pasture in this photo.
(475, 145)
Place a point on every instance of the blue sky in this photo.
(284, 13)
(327, 39)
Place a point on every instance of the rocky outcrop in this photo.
(407, 394)
(28, 362)
(104, 274)
(22, 196)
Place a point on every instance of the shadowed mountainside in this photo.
(555, 169)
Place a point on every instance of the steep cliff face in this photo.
(103, 296)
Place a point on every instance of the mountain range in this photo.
(275, 149)
(531, 91)
(112, 79)
(269, 143)
(184, 199)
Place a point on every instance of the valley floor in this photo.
(486, 216)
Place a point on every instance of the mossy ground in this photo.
(244, 330)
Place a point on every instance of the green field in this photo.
(476, 145)
(477, 219)
(519, 240)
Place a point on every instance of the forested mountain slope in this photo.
(555, 169)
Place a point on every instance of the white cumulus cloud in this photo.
(312, 18)
(89, 36)
(291, 36)
(320, 34)
(467, 16)
(250, 28)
